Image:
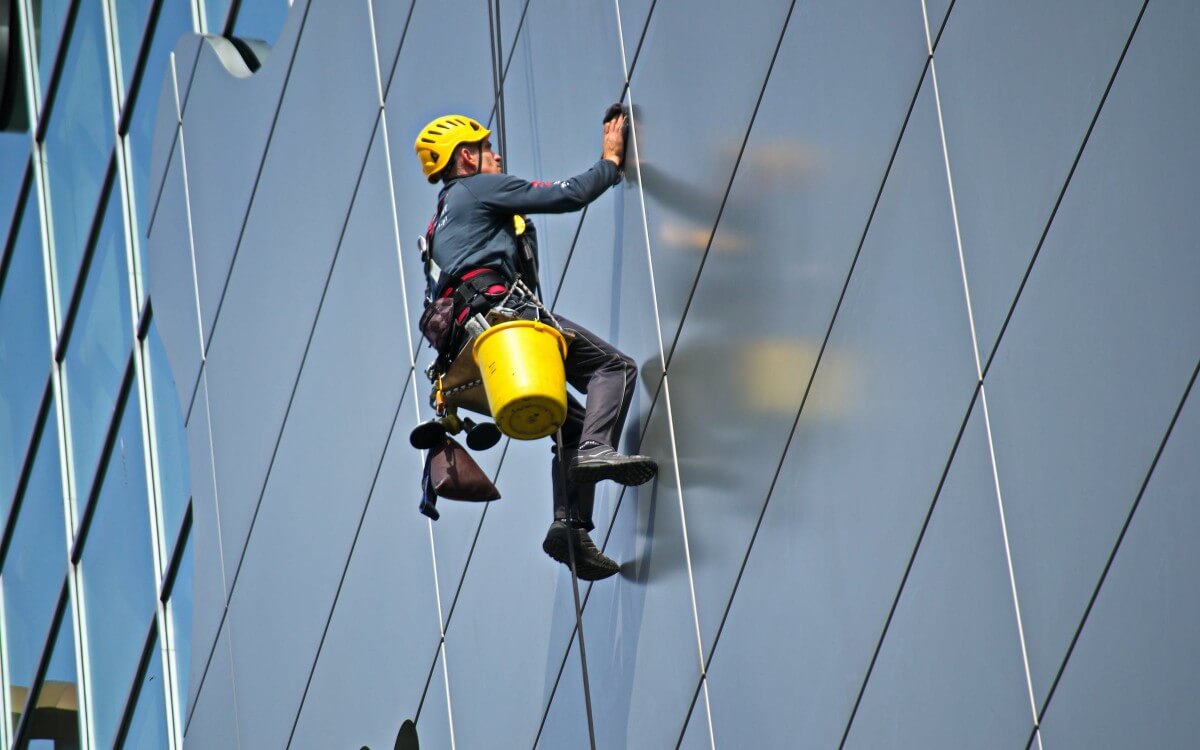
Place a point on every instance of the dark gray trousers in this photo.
(608, 377)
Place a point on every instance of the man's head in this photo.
(453, 146)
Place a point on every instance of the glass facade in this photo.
(912, 295)
(95, 491)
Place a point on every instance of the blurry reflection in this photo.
(56, 705)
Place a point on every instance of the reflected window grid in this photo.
(42, 56)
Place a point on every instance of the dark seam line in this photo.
(231, 17)
(162, 183)
(1062, 192)
(637, 53)
(498, 102)
(942, 26)
(587, 692)
(212, 650)
(808, 387)
(303, 360)
(134, 692)
(1112, 556)
(98, 473)
(287, 411)
(262, 163)
(22, 729)
(562, 277)
(429, 680)
(56, 72)
(18, 497)
(187, 418)
(349, 558)
(399, 48)
(500, 71)
(176, 558)
(131, 90)
(587, 596)
(462, 576)
(8, 250)
(729, 185)
(71, 310)
(887, 623)
(512, 50)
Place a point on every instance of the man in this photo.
(481, 243)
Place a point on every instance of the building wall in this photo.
(912, 289)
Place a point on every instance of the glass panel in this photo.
(179, 608)
(34, 567)
(215, 12)
(48, 19)
(260, 19)
(24, 349)
(55, 722)
(174, 20)
(174, 474)
(131, 22)
(14, 149)
(78, 143)
(118, 576)
(98, 350)
(148, 727)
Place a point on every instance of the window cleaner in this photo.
(480, 257)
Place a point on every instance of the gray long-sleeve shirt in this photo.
(473, 227)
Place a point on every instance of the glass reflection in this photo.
(174, 20)
(24, 349)
(174, 473)
(34, 567)
(98, 350)
(260, 19)
(78, 142)
(179, 607)
(214, 13)
(118, 576)
(55, 721)
(131, 22)
(14, 149)
(48, 19)
(148, 727)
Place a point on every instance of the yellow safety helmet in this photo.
(437, 141)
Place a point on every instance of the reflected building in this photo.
(911, 287)
(96, 552)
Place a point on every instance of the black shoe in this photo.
(590, 465)
(590, 563)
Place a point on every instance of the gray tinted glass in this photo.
(48, 16)
(174, 474)
(131, 17)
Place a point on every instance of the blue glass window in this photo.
(118, 576)
(260, 19)
(174, 20)
(48, 19)
(14, 150)
(215, 12)
(131, 22)
(24, 349)
(35, 566)
(59, 689)
(174, 473)
(78, 144)
(148, 726)
(98, 350)
(179, 609)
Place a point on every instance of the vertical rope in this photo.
(587, 691)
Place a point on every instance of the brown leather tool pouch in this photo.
(456, 476)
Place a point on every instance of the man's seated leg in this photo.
(573, 510)
(608, 377)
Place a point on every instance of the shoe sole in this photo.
(556, 547)
(628, 473)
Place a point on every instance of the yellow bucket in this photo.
(521, 363)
